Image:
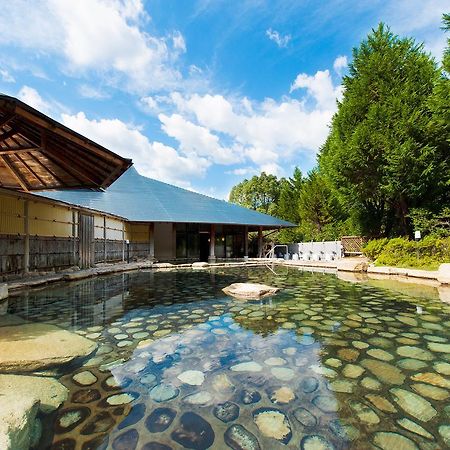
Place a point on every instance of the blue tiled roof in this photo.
(141, 199)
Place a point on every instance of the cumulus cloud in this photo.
(265, 134)
(31, 97)
(279, 39)
(197, 140)
(96, 36)
(319, 87)
(152, 159)
(340, 63)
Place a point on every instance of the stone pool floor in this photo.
(324, 364)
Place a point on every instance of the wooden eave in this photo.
(38, 153)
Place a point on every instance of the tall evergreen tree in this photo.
(379, 155)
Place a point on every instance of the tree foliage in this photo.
(260, 193)
(379, 154)
(385, 166)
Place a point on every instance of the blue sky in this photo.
(199, 93)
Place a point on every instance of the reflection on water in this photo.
(323, 364)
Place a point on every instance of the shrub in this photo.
(374, 247)
(427, 253)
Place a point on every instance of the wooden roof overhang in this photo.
(39, 153)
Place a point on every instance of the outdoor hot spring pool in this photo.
(324, 364)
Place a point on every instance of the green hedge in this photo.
(427, 253)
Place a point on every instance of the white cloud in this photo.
(178, 42)
(340, 63)
(98, 36)
(88, 91)
(31, 97)
(197, 140)
(280, 40)
(265, 134)
(320, 87)
(6, 76)
(152, 159)
(420, 19)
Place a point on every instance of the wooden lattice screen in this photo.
(352, 245)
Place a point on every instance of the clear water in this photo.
(323, 364)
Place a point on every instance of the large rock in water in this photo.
(249, 290)
(17, 420)
(35, 346)
(22, 397)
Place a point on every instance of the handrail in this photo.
(272, 250)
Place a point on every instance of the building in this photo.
(65, 200)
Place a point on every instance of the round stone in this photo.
(305, 417)
(378, 353)
(283, 394)
(413, 427)
(442, 367)
(348, 354)
(120, 399)
(344, 431)
(411, 364)
(384, 372)
(85, 378)
(222, 383)
(409, 351)
(120, 336)
(444, 431)
(309, 384)
(140, 335)
(352, 371)
(193, 432)
(364, 413)
(315, 442)
(160, 419)
(283, 373)
(388, 441)
(274, 361)
(326, 403)
(343, 386)
(413, 404)
(126, 441)
(192, 377)
(226, 412)
(238, 437)
(381, 403)
(273, 423)
(250, 366)
(199, 398)
(69, 418)
(163, 393)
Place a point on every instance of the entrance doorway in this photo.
(204, 246)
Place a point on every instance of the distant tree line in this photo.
(384, 169)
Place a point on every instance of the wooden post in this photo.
(74, 238)
(212, 242)
(105, 256)
(151, 241)
(246, 242)
(123, 241)
(26, 243)
(260, 242)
